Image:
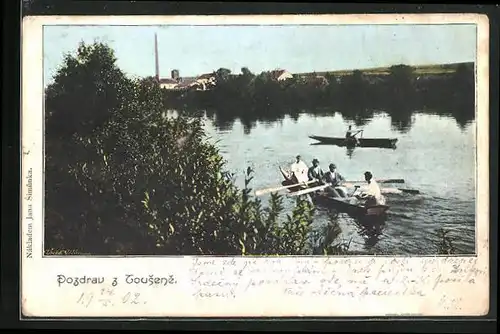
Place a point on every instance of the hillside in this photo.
(422, 70)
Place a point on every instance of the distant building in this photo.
(281, 75)
(205, 81)
(185, 83)
(165, 83)
(169, 84)
(202, 82)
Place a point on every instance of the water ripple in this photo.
(440, 166)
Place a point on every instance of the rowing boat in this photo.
(362, 142)
(290, 179)
(338, 203)
(345, 205)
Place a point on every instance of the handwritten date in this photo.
(108, 298)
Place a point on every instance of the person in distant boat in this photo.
(315, 172)
(371, 192)
(336, 179)
(352, 137)
(299, 169)
(348, 134)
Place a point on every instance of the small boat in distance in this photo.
(362, 142)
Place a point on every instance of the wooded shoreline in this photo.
(398, 90)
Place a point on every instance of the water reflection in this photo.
(402, 122)
(359, 116)
(349, 152)
(295, 116)
(370, 230)
(224, 125)
(248, 125)
(402, 119)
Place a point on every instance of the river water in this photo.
(434, 155)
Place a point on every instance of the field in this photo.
(419, 70)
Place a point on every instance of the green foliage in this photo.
(397, 90)
(124, 177)
(89, 81)
(222, 75)
(263, 232)
(246, 72)
(445, 243)
(400, 85)
(325, 240)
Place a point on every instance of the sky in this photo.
(195, 50)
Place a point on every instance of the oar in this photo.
(310, 190)
(399, 191)
(381, 181)
(360, 131)
(274, 189)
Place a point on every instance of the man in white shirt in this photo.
(299, 169)
(371, 192)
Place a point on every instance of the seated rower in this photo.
(352, 137)
(299, 169)
(348, 134)
(315, 172)
(371, 192)
(334, 177)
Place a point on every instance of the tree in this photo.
(246, 72)
(463, 83)
(400, 84)
(222, 75)
(353, 90)
(104, 89)
(332, 89)
(87, 89)
(462, 98)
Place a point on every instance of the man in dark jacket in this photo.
(315, 172)
(334, 177)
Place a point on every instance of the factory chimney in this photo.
(157, 64)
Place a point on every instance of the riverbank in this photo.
(357, 94)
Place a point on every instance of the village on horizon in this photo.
(207, 81)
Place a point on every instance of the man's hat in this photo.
(368, 174)
(315, 160)
(332, 166)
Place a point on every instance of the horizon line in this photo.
(334, 71)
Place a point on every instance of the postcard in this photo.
(237, 166)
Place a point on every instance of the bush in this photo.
(445, 243)
(124, 178)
